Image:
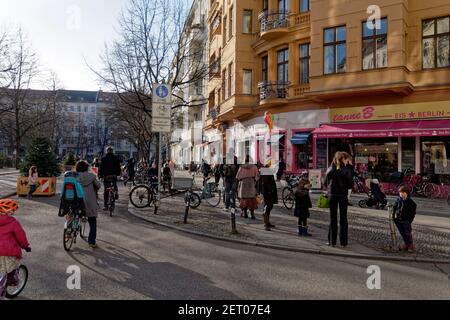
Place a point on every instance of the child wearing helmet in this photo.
(12, 240)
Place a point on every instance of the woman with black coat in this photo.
(268, 189)
(338, 180)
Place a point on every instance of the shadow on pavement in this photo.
(155, 280)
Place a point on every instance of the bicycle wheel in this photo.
(111, 203)
(195, 200)
(288, 197)
(430, 190)
(13, 291)
(362, 203)
(68, 238)
(213, 198)
(82, 229)
(141, 196)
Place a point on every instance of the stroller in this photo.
(375, 198)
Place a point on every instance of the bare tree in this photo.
(151, 49)
(23, 109)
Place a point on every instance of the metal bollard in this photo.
(233, 220)
(392, 227)
(187, 201)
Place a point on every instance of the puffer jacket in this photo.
(12, 237)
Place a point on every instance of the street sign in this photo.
(161, 125)
(161, 110)
(162, 93)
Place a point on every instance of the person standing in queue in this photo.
(339, 180)
(268, 189)
(247, 176)
(109, 171)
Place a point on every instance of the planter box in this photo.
(47, 186)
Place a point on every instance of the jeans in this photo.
(105, 192)
(230, 193)
(92, 230)
(404, 227)
(342, 202)
(33, 188)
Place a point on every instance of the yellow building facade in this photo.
(368, 77)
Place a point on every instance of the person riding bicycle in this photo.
(12, 240)
(109, 171)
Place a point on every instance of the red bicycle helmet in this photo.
(8, 205)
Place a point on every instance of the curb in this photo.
(291, 249)
(8, 173)
(8, 195)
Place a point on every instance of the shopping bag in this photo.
(324, 201)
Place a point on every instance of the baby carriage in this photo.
(375, 198)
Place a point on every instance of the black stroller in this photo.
(375, 198)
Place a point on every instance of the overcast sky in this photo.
(66, 32)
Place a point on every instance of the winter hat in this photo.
(305, 184)
(8, 206)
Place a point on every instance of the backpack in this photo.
(72, 196)
(229, 171)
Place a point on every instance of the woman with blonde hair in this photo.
(339, 180)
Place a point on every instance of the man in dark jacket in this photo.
(404, 212)
(109, 171)
(268, 189)
(130, 170)
(229, 179)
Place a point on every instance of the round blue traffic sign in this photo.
(162, 92)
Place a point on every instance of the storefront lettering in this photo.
(367, 113)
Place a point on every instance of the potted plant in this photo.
(40, 154)
(69, 163)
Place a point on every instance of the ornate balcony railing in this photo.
(277, 90)
(273, 20)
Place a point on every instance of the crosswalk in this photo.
(8, 184)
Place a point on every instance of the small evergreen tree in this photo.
(40, 154)
(70, 160)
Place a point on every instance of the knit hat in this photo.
(305, 184)
(8, 207)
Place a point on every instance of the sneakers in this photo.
(93, 246)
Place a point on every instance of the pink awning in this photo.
(419, 128)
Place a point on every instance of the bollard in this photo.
(233, 220)
(392, 227)
(187, 201)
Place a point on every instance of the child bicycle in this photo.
(75, 224)
(17, 281)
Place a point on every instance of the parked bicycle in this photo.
(211, 193)
(144, 195)
(14, 289)
(287, 194)
(75, 224)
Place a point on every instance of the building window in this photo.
(79, 108)
(305, 5)
(231, 27)
(335, 51)
(283, 66)
(435, 43)
(224, 84)
(231, 79)
(265, 69)
(374, 46)
(247, 25)
(224, 30)
(283, 6)
(85, 109)
(305, 54)
(247, 82)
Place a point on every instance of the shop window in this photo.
(435, 159)
(321, 154)
(408, 153)
(376, 159)
(302, 150)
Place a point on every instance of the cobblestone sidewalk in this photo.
(368, 235)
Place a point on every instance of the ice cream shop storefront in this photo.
(388, 139)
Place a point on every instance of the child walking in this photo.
(12, 240)
(302, 205)
(404, 213)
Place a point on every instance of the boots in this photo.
(305, 232)
(300, 230)
(253, 215)
(245, 214)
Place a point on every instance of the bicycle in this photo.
(75, 224)
(112, 194)
(13, 291)
(287, 194)
(143, 195)
(211, 193)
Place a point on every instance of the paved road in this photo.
(141, 261)
(8, 183)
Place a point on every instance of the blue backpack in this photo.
(72, 195)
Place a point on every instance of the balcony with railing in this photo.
(273, 24)
(273, 92)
